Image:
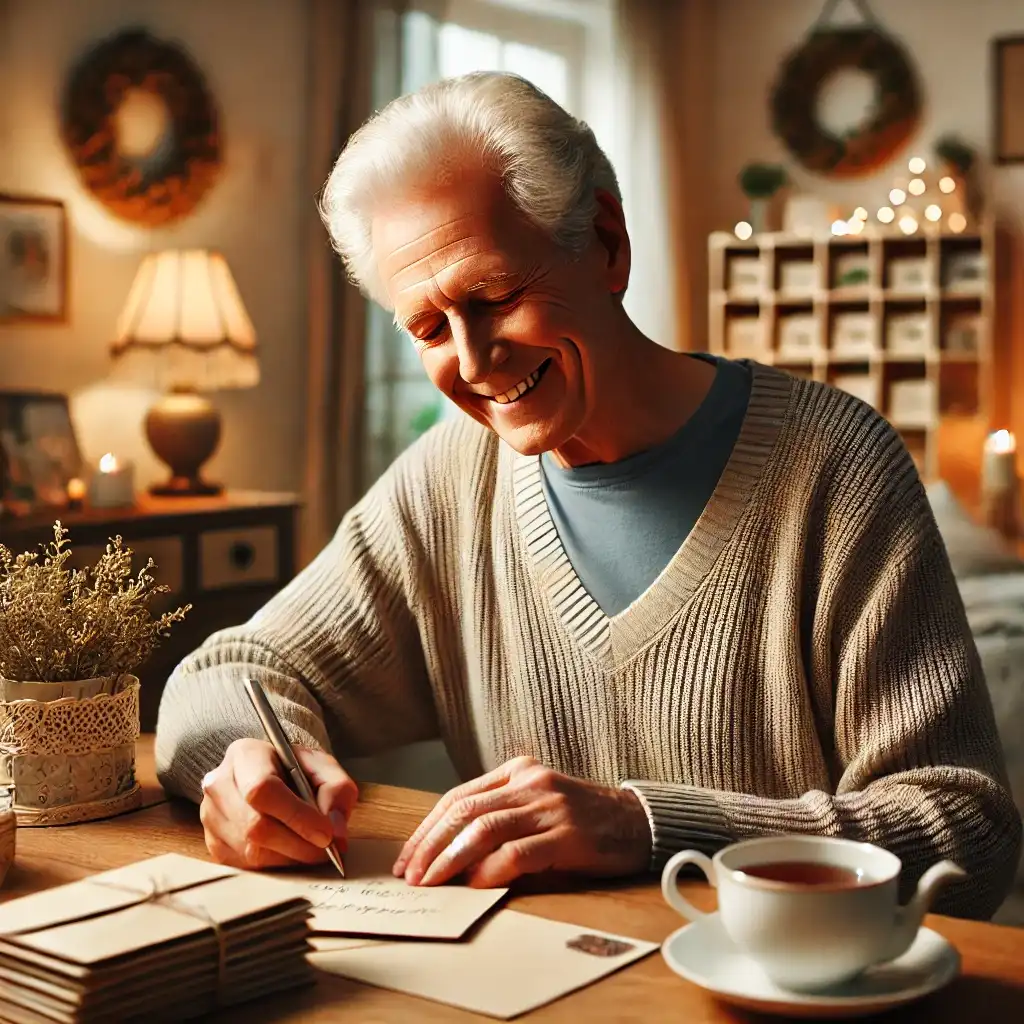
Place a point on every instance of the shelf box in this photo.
(747, 277)
(744, 337)
(965, 272)
(799, 279)
(853, 335)
(908, 334)
(910, 275)
(799, 336)
(962, 334)
(860, 385)
(851, 271)
(912, 403)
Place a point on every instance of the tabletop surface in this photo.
(993, 957)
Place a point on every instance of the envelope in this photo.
(513, 963)
(369, 900)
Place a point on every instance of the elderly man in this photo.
(650, 601)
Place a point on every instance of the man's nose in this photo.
(479, 353)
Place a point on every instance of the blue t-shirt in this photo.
(622, 522)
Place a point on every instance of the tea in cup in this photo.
(812, 912)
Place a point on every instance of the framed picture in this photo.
(1008, 100)
(33, 260)
(39, 452)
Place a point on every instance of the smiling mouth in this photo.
(526, 385)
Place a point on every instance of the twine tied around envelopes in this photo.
(161, 897)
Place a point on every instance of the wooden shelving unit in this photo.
(904, 322)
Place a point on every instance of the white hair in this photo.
(548, 161)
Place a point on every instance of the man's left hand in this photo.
(523, 818)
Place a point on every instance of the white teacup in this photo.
(812, 912)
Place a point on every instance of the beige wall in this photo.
(949, 41)
(253, 55)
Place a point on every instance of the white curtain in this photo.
(658, 142)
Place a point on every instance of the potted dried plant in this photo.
(71, 640)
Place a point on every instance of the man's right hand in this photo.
(252, 818)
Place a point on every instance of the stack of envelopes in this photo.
(166, 939)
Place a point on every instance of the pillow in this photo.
(974, 550)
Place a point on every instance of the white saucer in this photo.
(702, 953)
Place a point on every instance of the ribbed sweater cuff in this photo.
(681, 818)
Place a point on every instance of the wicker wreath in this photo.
(169, 186)
(795, 97)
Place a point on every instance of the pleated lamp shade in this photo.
(184, 325)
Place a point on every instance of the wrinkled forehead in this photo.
(452, 239)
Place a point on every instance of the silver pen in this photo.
(272, 727)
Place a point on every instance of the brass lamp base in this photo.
(183, 429)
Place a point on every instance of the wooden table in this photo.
(991, 988)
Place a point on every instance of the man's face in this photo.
(498, 312)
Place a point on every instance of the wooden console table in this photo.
(226, 556)
(990, 988)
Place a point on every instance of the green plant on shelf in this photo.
(762, 181)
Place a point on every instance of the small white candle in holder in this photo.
(113, 483)
(1000, 486)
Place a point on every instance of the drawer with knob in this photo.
(238, 556)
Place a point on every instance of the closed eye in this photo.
(504, 300)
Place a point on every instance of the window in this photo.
(469, 35)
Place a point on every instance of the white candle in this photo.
(113, 484)
(999, 465)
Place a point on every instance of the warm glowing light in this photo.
(1001, 441)
(908, 224)
(855, 226)
(916, 186)
(76, 489)
(840, 227)
(957, 223)
(947, 185)
(743, 231)
(916, 165)
(108, 464)
(860, 213)
(933, 212)
(886, 215)
(897, 196)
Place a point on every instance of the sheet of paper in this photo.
(371, 901)
(513, 963)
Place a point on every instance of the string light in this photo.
(743, 231)
(855, 226)
(840, 227)
(933, 212)
(860, 213)
(947, 185)
(916, 165)
(886, 215)
(897, 196)
(957, 223)
(916, 187)
(908, 224)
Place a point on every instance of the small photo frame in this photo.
(39, 452)
(33, 260)
(1008, 100)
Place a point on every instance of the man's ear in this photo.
(610, 227)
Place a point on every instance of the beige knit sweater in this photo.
(803, 664)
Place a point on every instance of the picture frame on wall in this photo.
(33, 260)
(39, 453)
(1008, 100)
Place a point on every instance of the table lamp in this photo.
(185, 331)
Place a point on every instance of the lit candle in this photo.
(76, 493)
(999, 483)
(112, 485)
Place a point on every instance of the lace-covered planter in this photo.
(71, 759)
